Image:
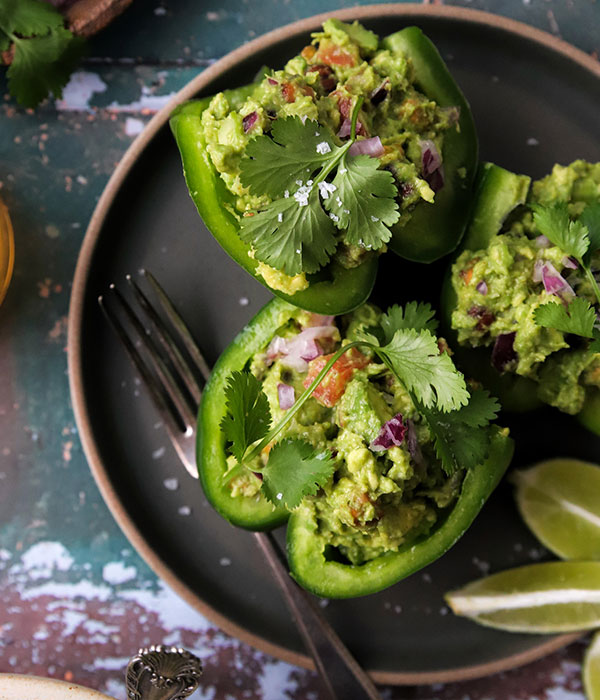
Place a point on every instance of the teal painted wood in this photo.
(75, 600)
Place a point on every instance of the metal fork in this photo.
(174, 380)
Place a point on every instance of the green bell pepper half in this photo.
(306, 550)
(498, 193)
(255, 513)
(333, 290)
(313, 570)
(432, 230)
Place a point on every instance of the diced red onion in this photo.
(503, 352)
(380, 93)
(249, 121)
(368, 147)
(542, 241)
(537, 270)
(286, 396)
(272, 81)
(430, 157)
(319, 320)
(345, 129)
(482, 287)
(453, 114)
(570, 263)
(555, 283)
(296, 352)
(431, 162)
(391, 434)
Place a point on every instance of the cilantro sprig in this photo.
(409, 349)
(579, 239)
(316, 188)
(44, 51)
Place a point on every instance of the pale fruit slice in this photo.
(558, 596)
(591, 670)
(560, 502)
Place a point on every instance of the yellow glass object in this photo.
(7, 250)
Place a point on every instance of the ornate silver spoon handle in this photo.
(162, 673)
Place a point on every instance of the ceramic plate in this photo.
(16, 687)
(535, 102)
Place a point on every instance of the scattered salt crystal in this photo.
(326, 188)
(323, 147)
(171, 484)
(225, 561)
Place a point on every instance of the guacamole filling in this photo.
(499, 288)
(323, 84)
(388, 488)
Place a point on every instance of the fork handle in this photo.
(341, 675)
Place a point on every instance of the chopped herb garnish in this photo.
(316, 188)
(578, 239)
(294, 469)
(45, 52)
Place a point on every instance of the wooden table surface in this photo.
(76, 601)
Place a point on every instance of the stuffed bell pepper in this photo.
(360, 429)
(523, 298)
(355, 146)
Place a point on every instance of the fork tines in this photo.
(163, 351)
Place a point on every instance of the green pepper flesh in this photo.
(434, 230)
(333, 579)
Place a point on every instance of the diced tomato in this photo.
(466, 275)
(358, 506)
(333, 385)
(308, 52)
(334, 55)
(288, 91)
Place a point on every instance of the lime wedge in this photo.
(558, 596)
(591, 670)
(560, 502)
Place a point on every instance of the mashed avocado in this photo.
(376, 501)
(499, 288)
(323, 83)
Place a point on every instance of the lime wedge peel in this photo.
(546, 598)
(560, 501)
(591, 670)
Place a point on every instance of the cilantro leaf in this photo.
(417, 315)
(45, 53)
(424, 371)
(291, 235)
(570, 236)
(595, 344)
(363, 202)
(29, 17)
(590, 218)
(248, 415)
(295, 470)
(295, 151)
(460, 438)
(579, 317)
(43, 64)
